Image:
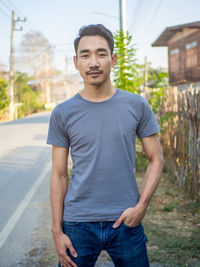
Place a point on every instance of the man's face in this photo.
(94, 60)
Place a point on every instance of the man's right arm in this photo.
(58, 189)
(59, 185)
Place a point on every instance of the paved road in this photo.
(24, 185)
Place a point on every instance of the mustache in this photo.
(94, 71)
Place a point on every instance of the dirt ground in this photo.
(172, 225)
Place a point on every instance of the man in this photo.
(102, 208)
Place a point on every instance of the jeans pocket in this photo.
(131, 227)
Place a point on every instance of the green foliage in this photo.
(26, 96)
(169, 207)
(141, 160)
(157, 86)
(126, 76)
(172, 248)
(168, 193)
(4, 99)
(157, 78)
(157, 98)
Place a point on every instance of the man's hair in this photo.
(95, 29)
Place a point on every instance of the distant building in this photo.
(4, 73)
(60, 87)
(183, 43)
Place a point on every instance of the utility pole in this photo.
(12, 72)
(66, 77)
(122, 16)
(123, 27)
(47, 77)
(146, 92)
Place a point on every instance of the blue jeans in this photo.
(126, 245)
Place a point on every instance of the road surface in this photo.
(25, 165)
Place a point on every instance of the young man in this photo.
(102, 208)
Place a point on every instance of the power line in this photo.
(6, 5)
(10, 6)
(137, 10)
(29, 25)
(151, 19)
(18, 12)
(16, 9)
(142, 14)
(21, 14)
(106, 15)
(3, 12)
(145, 13)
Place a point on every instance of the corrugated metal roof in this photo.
(167, 34)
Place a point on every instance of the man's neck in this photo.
(98, 93)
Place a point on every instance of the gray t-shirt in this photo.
(101, 136)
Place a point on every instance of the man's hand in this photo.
(62, 242)
(131, 216)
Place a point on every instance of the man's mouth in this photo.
(94, 73)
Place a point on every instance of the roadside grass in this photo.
(172, 248)
(172, 225)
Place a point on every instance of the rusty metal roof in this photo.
(167, 34)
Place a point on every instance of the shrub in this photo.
(4, 99)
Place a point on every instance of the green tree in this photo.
(157, 83)
(26, 96)
(126, 75)
(4, 99)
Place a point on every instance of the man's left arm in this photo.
(152, 148)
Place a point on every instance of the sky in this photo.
(60, 20)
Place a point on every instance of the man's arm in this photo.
(152, 148)
(59, 185)
(58, 189)
(153, 151)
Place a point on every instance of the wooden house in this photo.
(183, 43)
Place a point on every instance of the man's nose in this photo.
(93, 62)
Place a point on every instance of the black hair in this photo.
(95, 29)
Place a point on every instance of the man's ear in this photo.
(75, 62)
(114, 60)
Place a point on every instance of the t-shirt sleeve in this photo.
(148, 124)
(56, 133)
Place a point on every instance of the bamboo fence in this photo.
(181, 139)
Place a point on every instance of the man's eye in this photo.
(84, 56)
(102, 54)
